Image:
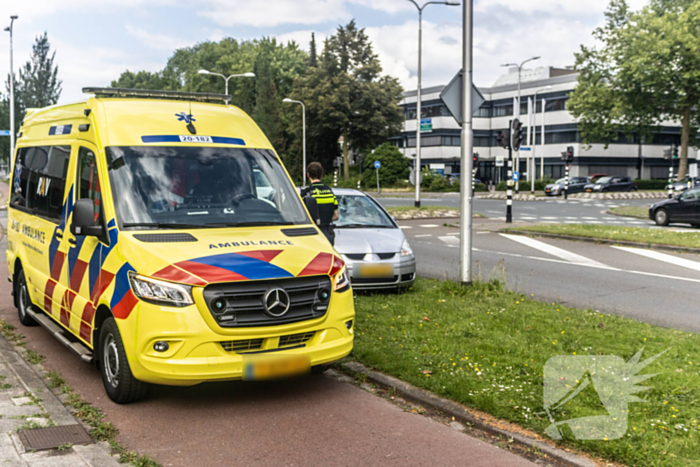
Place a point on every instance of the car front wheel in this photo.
(120, 384)
(661, 217)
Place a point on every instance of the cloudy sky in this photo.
(96, 40)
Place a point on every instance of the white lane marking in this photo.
(550, 218)
(453, 233)
(450, 240)
(686, 263)
(549, 222)
(552, 250)
(527, 218)
(422, 236)
(430, 226)
(590, 218)
(593, 222)
(492, 212)
(549, 260)
(405, 227)
(482, 233)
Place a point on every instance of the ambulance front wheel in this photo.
(23, 300)
(120, 384)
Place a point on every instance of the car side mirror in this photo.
(312, 207)
(84, 219)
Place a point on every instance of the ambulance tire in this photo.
(120, 384)
(24, 301)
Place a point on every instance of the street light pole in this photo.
(465, 222)
(303, 126)
(417, 167)
(12, 95)
(243, 75)
(516, 112)
(534, 139)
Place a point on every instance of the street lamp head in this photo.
(204, 72)
(536, 58)
(7, 29)
(249, 75)
(510, 64)
(453, 3)
(287, 100)
(14, 17)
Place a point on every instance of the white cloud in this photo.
(29, 10)
(272, 13)
(157, 41)
(303, 39)
(390, 6)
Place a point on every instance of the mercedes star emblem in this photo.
(277, 302)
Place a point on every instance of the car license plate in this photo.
(547, 190)
(589, 190)
(373, 271)
(267, 367)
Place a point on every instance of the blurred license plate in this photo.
(373, 271)
(547, 190)
(273, 367)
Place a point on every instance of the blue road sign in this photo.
(525, 148)
(4, 132)
(516, 176)
(377, 164)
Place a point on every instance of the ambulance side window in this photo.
(20, 178)
(40, 179)
(88, 183)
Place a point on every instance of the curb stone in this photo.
(600, 196)
(648, 246)
(31, 379)
(460, 414)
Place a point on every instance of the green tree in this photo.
(346, 95)
(38, 85)
(394, 166)
(313, 58)
(646, 71)
(266, 112)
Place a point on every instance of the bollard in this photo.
(509, 197)
(335, 178)
(358, 185)
(566, 184)
(473, 181)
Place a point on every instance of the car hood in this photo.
(201, 257)
(665, 202)
(356, 241)
(551, 186)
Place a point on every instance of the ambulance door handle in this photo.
(59, 235)
(72, 241)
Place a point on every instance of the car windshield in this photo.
(201, 187)
(360, 212)
(560, 181)
(602, 180)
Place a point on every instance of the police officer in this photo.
(325, 199)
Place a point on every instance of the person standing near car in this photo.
(325, 199)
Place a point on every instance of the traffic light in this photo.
(674, 150)
(475, 158)
(568, 155)
(517, 134)
(503, 139)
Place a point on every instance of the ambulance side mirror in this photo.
(84, 219)
(312, 206)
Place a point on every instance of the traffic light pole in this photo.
(509, 196)
(465, 221)
(566, 184)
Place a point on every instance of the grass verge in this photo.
(640, 212)
(688, 239)
(486, 348)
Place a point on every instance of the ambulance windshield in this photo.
(201, 187)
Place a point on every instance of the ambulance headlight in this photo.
(159, 292)
(341, 281)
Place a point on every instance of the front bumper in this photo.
(404, 274)
(197, 345)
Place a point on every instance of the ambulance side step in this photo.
(56, 331)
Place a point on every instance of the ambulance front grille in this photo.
(238, 346)
(243, 302)
(295, 339)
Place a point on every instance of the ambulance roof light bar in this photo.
(146, 93)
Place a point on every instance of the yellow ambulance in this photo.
(158, 235)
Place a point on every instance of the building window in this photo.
(482, 141)
(451, 140)
(555, 105)
(561, 137)
(483, 112)
(503, 110)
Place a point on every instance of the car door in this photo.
(579, 183)
(687, 207)
(85, 252)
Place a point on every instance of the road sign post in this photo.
(377, 165)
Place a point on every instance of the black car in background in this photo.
(682, 185)
(576, 185)
(606, 184)
(683, 208)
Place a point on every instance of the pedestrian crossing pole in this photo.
(335, 178)
(670, 180)
(473, 180)
(566, 184)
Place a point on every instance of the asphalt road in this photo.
(551, 211)
(316, 420)
(641, 284)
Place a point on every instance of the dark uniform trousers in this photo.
(327, 204)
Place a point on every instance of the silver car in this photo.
(375, 250)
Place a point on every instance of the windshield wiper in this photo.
(163, 225)
(249, 224)
(363, 226)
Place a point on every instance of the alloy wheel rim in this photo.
(23, 299)
(661, 216)
(110, 359)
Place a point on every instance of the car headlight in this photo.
(342, 283)
(406, 249)
(159, 292)
(598, 187)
